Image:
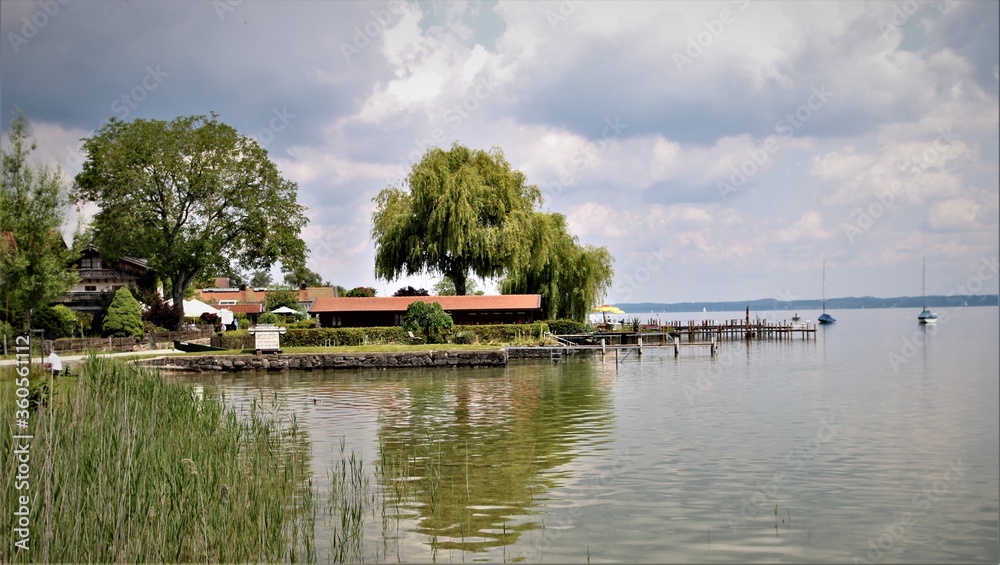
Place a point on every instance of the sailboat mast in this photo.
(923, 283)
(824, 286)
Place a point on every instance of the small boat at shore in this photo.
(194, 347)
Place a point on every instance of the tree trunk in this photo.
(459, 279)
(177, 292)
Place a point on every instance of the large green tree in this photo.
(460, 215)
(191, 196)
(445, 287)
(34, 259)
(302, 275)
(571, 278)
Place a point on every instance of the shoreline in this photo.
(375, 360)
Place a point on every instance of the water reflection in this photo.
(465, 461)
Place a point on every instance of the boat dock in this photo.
(678, 335)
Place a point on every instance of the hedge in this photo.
(567, 327)
(321, 337)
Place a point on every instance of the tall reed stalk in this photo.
(126, 468)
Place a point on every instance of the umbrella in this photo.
(195, 308)
(284, 310)
(607, 309)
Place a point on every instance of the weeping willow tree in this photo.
(571, 278)
(462, 216)
(467, 213)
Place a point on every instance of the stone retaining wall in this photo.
(319, 361)
(543, 352)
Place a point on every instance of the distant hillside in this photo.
(849, 303)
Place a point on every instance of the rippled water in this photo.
(876, 442)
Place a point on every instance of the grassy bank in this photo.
(123, 467)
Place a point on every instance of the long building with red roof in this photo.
(464, 310)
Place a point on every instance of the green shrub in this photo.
(566, 327)
(268, 318)
(466, 338)
(124, 318)
(305, 324)
(57, 321)
(429, 319)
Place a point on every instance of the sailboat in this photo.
(926, 317)
(825, 318)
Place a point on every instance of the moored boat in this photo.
(194, 347)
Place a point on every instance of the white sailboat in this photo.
(926, 316)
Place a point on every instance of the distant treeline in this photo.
(849, 303)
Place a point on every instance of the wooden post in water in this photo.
(640, 345)
(677, 346)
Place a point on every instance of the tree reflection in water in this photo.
(467, 461)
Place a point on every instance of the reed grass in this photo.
(127, 468)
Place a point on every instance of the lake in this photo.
(877, 441)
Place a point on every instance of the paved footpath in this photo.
(75, 359)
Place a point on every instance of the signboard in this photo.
(266, 341)
(266, 337)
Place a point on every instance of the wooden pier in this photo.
(704, 331)
(681, 334)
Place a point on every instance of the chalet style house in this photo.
(464, 310)
(99, 275)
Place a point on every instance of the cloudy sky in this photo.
(720, 151)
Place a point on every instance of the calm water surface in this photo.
(876, 442)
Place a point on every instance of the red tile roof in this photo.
(256, 308)
(256, 296)
(506, 302)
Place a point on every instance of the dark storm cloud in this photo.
(721, 91)
(245, 61)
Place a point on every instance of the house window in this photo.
(86, 263)
(227, 303)
(397, 319)
(335, 321)
(90, 288)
